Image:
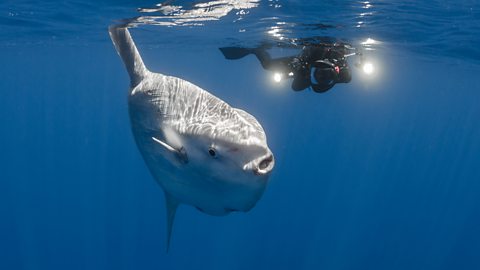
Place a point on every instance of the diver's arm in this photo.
(301, 79)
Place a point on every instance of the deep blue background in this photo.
(381, 173)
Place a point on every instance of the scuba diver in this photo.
(319, 66)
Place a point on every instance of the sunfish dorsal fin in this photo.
(128, 52)
(172, 205)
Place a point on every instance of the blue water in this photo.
(380, 173)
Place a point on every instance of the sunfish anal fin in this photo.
(172, 205)
(181, 154)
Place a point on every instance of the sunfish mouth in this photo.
(262, 165)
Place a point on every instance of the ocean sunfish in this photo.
(199, 149)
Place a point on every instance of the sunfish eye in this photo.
(212, 152)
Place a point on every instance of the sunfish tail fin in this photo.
(233, 53)
(128, 52)
(172, 205)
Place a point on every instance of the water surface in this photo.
(380, 173)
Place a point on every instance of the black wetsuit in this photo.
(328, 62)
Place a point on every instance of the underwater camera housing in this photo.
(327, 72)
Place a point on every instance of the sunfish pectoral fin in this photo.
(172, 205)
(181, 154)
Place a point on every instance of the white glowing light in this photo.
(277, 77)
(370, 41)
(290, 74)
(368, 68)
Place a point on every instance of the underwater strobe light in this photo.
(368, 68)
(277, 77)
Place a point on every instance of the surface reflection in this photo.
(176, 15)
